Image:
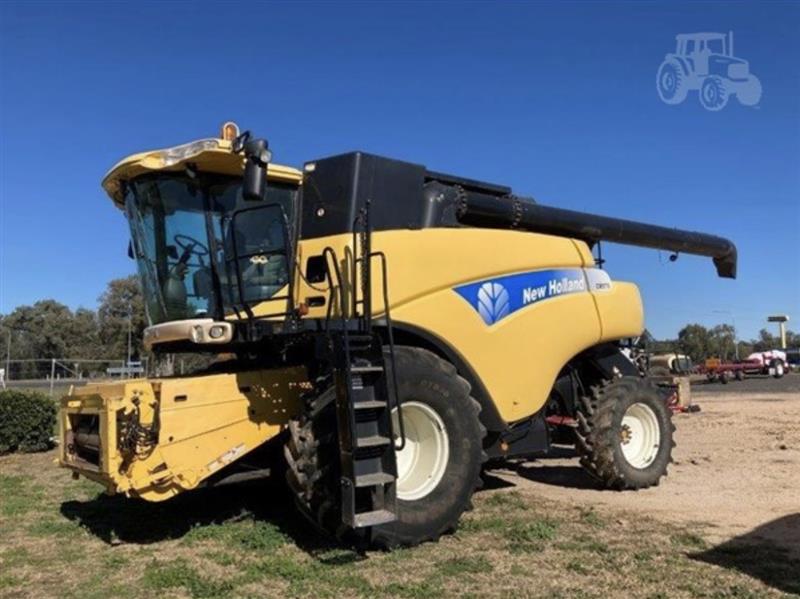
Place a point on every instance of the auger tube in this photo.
(484, 210)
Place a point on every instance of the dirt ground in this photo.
(725, 524)
(736, 470)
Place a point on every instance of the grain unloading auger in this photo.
(384, 328)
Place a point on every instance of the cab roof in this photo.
(210, 155)
(700, 36)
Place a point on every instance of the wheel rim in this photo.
(640, 436)
(668, 82)
(710, 95)
(422, 461)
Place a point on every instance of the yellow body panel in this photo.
(206, 422)
(518, 358)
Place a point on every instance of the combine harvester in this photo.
(388, 329)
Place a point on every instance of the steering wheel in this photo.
(190, 246)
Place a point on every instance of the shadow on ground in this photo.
(118, 519)
(543, 470)
(770, 553)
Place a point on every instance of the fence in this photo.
(53, 372)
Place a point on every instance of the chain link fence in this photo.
(52, 374)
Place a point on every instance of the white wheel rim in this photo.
(422, 461)
(640, 436)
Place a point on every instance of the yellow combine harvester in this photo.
(386, 328)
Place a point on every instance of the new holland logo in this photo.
(493, 302)
(498, 298)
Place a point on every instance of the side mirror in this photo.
(257, 157)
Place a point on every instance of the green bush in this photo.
(27, 420)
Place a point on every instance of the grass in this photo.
(59, 538)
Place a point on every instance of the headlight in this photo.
(737, 71)
(181, 153)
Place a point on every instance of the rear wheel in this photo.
(438, 468)
(671, 84)
(625, 434)
(778, 369)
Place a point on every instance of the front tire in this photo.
(438, 469)
(433, 396)
(749, 92)
(714, 93)
(625, 434)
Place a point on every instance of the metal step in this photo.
(372, 441)
(372, 480)
(374, 518)
(369, 405)
(360, 369)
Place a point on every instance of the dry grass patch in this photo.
(63, 540)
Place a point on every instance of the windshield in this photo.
(186, 233)
(716, 46)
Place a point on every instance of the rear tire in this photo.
(625, 434)
(670, 82)
(778, 369)
(436, 396)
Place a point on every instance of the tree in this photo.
(722, 341)
(695, 341)
(121, 309)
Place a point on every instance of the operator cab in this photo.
(185, 230)
(206, 255)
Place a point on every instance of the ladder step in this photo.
(374, 518)
(372, 441)
(372, 480)
(360, 369)
(369, 405)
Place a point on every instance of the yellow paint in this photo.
(205, 423)
(519, 357)
(217, 160)
(224, 416)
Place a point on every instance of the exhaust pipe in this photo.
(484, 210)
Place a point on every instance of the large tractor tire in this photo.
(625, 434)
(671, 83)
(714, 93)
(438, 469)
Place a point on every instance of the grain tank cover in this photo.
(402, 195)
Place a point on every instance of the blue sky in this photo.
(557, 100)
